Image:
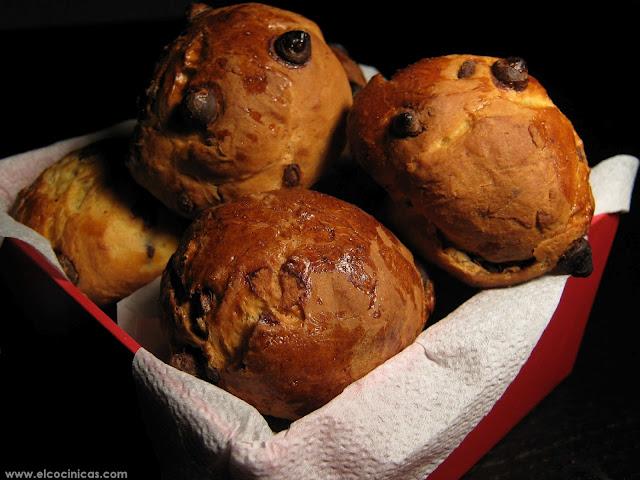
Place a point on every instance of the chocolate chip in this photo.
(291, 175)
(68, 268)
(200, 107)
(511, 72)
(151, 251)
(294, 47)
(577, 260)
(406, 124)
(467, 69)
(185, 204)
(203, 301)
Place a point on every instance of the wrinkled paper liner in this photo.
(398, 422)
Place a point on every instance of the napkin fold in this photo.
(398, 422)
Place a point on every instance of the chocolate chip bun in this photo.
(284, 298)
(357, 80)
(488, 178)
(111, 237)
(249, 99)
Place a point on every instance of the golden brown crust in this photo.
(110, 236)
(225, 115)
(352, 69)
(482, 175)
(290, 296)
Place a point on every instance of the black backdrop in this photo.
(68, 68)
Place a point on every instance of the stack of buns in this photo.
(283, 295)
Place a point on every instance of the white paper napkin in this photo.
(399, 422)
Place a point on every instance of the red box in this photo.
(24, 270)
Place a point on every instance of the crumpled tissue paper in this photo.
(398, 422)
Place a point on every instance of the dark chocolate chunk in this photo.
(185, 204)
(203, 301)
(291, 175)
(69, 268)
(406, 124)
(577, 260)
(151, 251)
(294, 47)
(511, 72)
(467, 69)
(201, 107)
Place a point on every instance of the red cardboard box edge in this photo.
(81, 299)
(550, 362)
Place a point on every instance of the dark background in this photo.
(71, 67)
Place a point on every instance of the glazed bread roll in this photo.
(488, 178)
(357, 81)
(249, 99)
(284, 298)
(110, 236)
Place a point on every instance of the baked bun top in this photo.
(354, 73)
(475, 146)
(249, 98)
(284, 298)
(110, 236)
